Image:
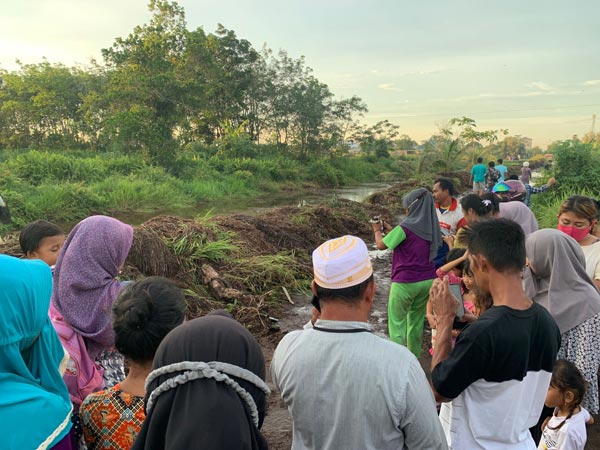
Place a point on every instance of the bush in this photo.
(70, 185)
(243, 174)
(323, 173)
(139, 194)
(40, 167)
(576, 166)
(546, 206)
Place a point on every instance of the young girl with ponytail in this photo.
(565, 430)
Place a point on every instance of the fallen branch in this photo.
(218, 289)
(285, 291)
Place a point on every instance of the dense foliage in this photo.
(164, 87)
(66, 186)
(576, 168)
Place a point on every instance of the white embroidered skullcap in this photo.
(341, 263)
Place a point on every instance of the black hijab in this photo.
(202, 403)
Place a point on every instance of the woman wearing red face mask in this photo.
(578, 217)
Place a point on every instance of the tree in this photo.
(163, 87)
(405, 142)
(472, 139)
(512, 147)
(456, 143)
(40, 106)
(377, 139)
(143, 92)
(592, 138)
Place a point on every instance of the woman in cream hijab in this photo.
(556, 278)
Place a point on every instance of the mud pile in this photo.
(239, 262)
(242, 262)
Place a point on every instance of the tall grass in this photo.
(199, 248)
(577, 170)
(546, 206)
(68, 186)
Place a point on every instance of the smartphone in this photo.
(455, 290)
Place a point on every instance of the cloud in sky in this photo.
(591, 83)
(389, 87)
(541, 86)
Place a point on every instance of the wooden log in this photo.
(218, 288)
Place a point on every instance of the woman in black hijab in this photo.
(206, 389)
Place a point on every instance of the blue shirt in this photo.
(478, 171)
(502, 169)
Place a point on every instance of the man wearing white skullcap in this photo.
(346, 388)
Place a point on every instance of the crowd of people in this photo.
(90, 361)
(93, 362)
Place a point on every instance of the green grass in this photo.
(546, 206)
(70, 185)
(199, 248)
(132, 193)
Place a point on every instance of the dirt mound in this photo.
(460, 178)
(161, 245)
(301, 228)
(255, 256)
(391, 198)
(240, 262)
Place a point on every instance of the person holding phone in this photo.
(415, 243)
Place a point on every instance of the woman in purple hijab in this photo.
(83, 292)
(85, 287)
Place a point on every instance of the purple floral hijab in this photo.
(84, 286)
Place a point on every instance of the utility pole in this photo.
(593, 123)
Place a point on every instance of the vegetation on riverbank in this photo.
(576, 168)
(68, 186)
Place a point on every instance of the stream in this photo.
(252, 206)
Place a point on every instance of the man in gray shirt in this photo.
(344, 387)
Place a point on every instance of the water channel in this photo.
(357, 193)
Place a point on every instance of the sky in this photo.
(531, 66)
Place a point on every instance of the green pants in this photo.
(406, 313)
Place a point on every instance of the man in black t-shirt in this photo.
(494, 381)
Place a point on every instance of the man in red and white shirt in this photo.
(449, 214)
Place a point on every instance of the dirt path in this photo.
(278, 427)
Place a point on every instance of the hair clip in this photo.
(487, 202)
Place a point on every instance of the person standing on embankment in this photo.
(415, 243)
(478, 172)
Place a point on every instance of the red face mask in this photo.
(576, 233)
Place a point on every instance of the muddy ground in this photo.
(277, 427)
